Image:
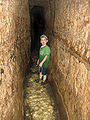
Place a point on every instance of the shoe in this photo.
(43, 83)
(37, 81)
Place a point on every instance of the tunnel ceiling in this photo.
(43, 3)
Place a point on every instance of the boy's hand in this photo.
(37, 65)
(41, 64)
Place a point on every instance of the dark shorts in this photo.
(44, 71)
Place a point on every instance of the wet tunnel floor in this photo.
(39, 101)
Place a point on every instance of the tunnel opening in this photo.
(37, 26)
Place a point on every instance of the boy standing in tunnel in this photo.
(43, 60)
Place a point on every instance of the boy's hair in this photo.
(44, 36)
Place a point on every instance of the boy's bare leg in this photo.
(41, 75)
(44, 78)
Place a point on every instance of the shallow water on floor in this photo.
(39, 101)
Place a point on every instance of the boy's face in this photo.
(43, 41)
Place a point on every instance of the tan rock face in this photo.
(70, 56)
(14, 56)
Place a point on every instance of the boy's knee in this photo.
(40, 74)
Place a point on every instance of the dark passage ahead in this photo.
(37, 26)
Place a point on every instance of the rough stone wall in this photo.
(14, 56)
(70, 56)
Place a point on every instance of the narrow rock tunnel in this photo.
(67, 25)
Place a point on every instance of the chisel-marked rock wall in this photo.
(70, 56)
(14, 56)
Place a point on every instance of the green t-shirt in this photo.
(42, 53)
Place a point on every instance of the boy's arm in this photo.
(37, 61)
(43, 61)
